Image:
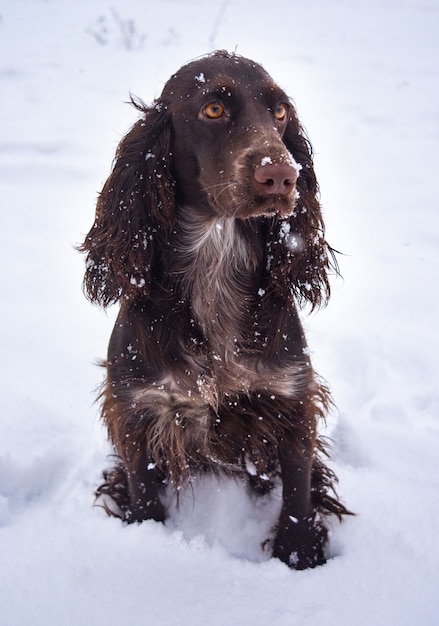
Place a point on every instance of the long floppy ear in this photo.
(134, 212)
(300, 257)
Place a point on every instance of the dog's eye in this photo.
(280, 112)
(213, 110)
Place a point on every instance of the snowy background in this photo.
(364, 76)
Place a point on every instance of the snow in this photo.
(364, 77)
(266, 160)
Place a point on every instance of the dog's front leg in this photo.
(299, 539)
(143, 487)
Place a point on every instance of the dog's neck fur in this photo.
(218, 263)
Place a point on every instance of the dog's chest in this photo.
(221, 283)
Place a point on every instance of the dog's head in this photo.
(222, 141)
(233, 138)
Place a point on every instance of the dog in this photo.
(209, 234)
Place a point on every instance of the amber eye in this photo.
(213, 110)
(280, 112)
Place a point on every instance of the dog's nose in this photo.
(276, 178)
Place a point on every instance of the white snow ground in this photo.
(364, 76)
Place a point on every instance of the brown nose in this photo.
(276, 178)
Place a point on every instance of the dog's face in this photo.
(229, 119)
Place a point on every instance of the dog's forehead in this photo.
(219, 75)
(219, 82)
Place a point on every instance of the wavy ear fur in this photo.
(298, 254)
(134, 211)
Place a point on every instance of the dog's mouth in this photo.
(280, 206)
